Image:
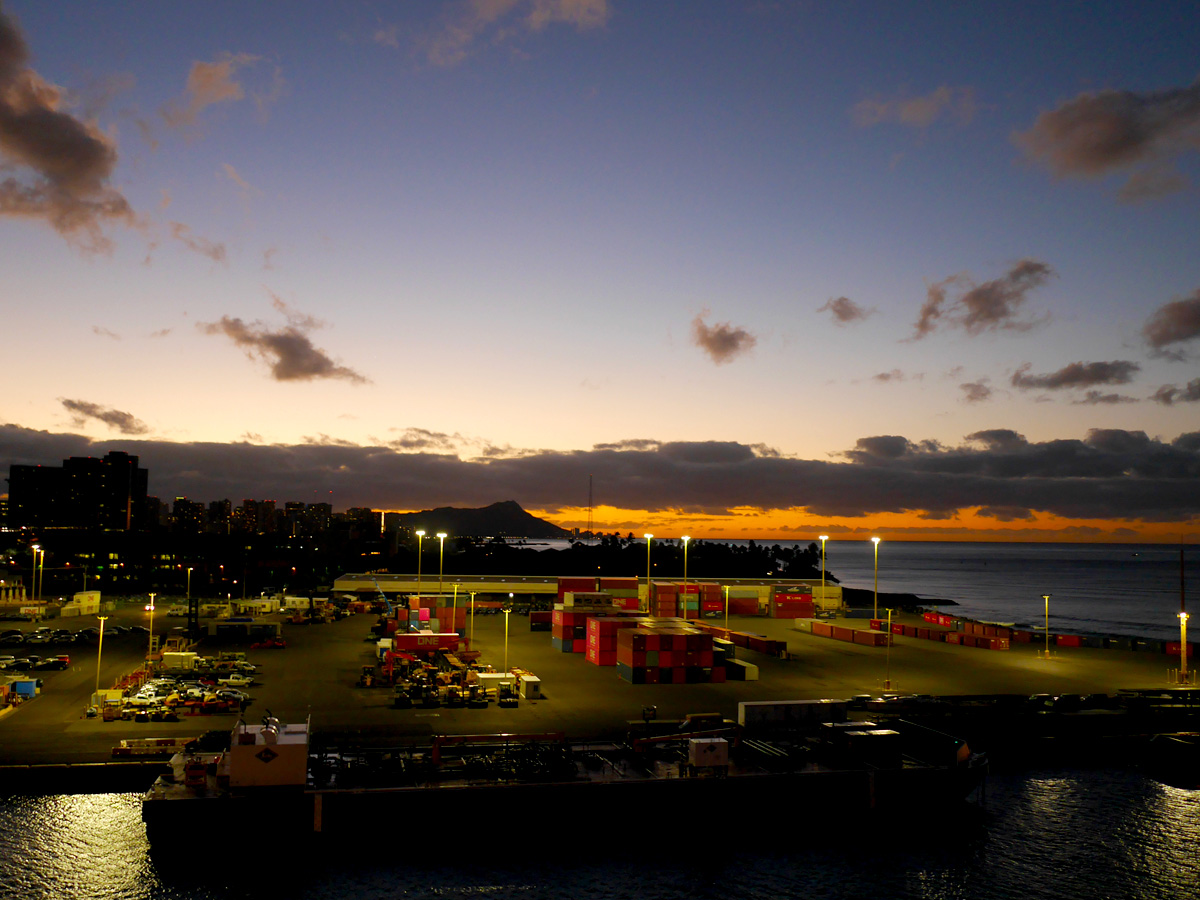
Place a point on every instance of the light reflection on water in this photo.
(1051, 835)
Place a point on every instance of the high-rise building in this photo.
(85, 492)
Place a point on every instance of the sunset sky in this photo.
(760, 269)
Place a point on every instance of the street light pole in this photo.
(188, 595)
(33, 575)
(685, 540)
(887, 678)
(441, 536)
(420, 539)
(507, 610)
(875, 541)
(99, 650)
(472, 641)
(1046, 597)
(649, 537)
(726, 607)
(824, 538)
(150, 646)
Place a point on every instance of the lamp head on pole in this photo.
(876, 541)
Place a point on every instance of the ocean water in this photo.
(1041, 835)
(1128, 589)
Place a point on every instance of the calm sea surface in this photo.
(1130, 589)
(1043, 834)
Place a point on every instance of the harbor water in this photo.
(1117, 589)
(1048, 834)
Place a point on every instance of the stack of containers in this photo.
(664, 599)
(624, 591)
(793, 602)
(743, 601)
(667, 655)
(453, 617)
(602, 638)
(575, 583)
(568, 630)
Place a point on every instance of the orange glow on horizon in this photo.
(799, 525)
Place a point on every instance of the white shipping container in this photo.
(704, 752)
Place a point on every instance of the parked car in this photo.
(274, 643)
(235, 680)
(233, 694)
(51, 662)
(10, 639)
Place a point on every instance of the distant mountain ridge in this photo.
(505, 518)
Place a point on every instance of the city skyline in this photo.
(735, 270)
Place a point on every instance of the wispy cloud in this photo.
(63, 163)
(917, 112)
(845, 311)
(82, 411)
(208, 83)
(105, 332)
(992, 306)
(1172, 324)
(498, 21)
(212, 249)
(1098, 133)
(722, 342)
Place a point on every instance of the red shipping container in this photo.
(1022, 637)
(1174, 646)
(601, 657)
(580, 646)
(897, 628)
(953, 637)
(718, 675)
(743, 606)
(877, 624)
(821, 629)
(923, 633)
(1068, 640)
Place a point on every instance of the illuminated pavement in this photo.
(316, 676)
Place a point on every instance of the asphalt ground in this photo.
(316, 677)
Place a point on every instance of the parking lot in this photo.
(316, 676)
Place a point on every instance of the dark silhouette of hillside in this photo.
(503, 519)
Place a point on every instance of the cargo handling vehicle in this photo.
(811, 764)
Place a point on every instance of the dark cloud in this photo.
(722, 342)
(975, 391)
(1172, 323)
(845, 311)
(104, 332)
(288, 350)
(124, 422)
(1169, 394)
(1097, 133)
(1111, 474)
(1077, 375)
(991, 306)
(1093, 398)
(887, 377)
(63, 163)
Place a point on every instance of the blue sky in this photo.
(575, 234)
